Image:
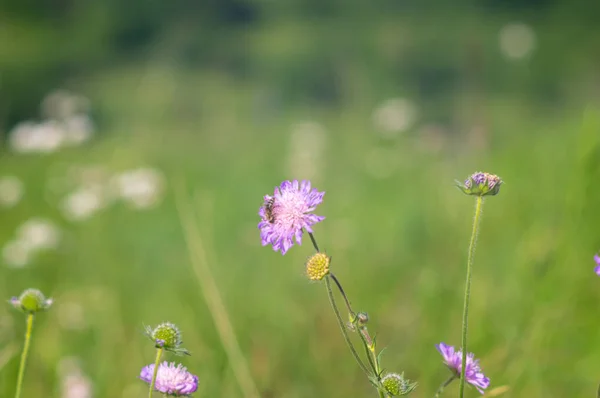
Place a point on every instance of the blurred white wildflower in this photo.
(394, 116)
(39, 233)
(517, 40)
(29, 137)
(307, 144)
(16, 254)
(78, 129)
(381, 163)
(141, 188)
(11, 191)
(67, 124)
(71, 315)
(74, 383)
(62, 104)
(84, 202)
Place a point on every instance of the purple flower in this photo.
(478, 178)
(597, 268)
(287, 213)
(481, 184)
(170, 379)
(473, 373)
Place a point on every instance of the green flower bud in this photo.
(31, 301)
(167, 336)
(481, 184)
(397, 385)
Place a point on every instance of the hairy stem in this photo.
(343, 326)
(465, 319)
(159, 352)
(444, 385)
(24, 354)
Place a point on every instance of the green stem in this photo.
(314, 242)
(368, 354)
(343, 327)
(341, 289)
(24, 354)
(444, 385)
(159, 352)
(465, 319)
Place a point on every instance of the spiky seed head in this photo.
(396, 385)
(481, 184)
(166, 336)
(31, 301)
(317, 266)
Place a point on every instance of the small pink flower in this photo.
(286, 214)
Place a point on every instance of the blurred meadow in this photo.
(120, 124)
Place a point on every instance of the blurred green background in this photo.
(108, 108)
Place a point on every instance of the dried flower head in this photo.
(396, 385)
(167, 336)
(317, 266)
(481, 184)
(473, 373)
(31, 301)
(172, 380)
(287, 213)
(597, 267)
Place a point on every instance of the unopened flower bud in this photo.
(317, 267)
(31, 301)
(397, 385)
(362, 318)
(481, 184)
(167, 336)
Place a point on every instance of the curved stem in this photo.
(24, 354)
(341, 289)
(444, 385)
(158, 355)
(343, 327)
(465, 319)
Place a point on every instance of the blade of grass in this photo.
(210, 291)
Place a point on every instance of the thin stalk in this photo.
(444, 385)
(343, 327)
(314, 242)
(159, 352)
(341, 289)
(465, 319)
(368, 351)
(24, 354)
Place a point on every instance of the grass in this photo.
(399, 246)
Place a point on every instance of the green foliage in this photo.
(215, 105)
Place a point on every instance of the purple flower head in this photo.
(478, 178)
(481, 184)
(473, 373)
(170, 379)
(597, 268)
(287, 213)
